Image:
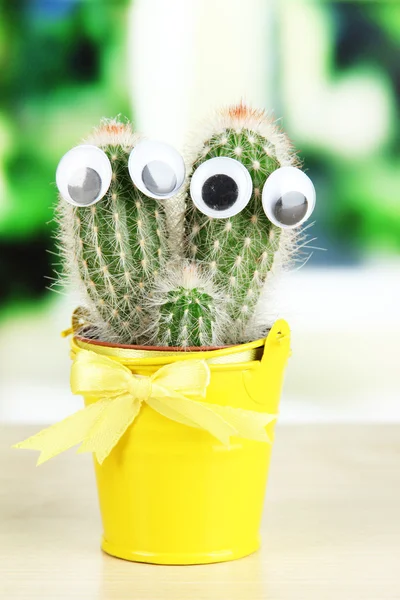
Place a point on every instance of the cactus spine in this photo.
(116, 247)
(241, 251)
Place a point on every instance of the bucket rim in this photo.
(131, 356)
(242, 356)
(170, 349)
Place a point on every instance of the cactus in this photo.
(164, 272)
(244, 250)
(190, 312)
(114, 249)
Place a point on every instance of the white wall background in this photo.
(188, 58)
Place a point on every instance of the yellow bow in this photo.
(118, 395)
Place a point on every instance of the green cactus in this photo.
(242, 251)
(115, 248)
(190, 312)
(147, 279)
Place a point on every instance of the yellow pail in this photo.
(172, 494)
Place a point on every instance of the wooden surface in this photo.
(331, 527)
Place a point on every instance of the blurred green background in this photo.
(63, 67)
(330, 70)
(61, 70)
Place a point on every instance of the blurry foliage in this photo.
(62, 65)
(358, 212)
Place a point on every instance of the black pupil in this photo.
(220, 192)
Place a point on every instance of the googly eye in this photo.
(221, 187)
(84, 175)
(157, 169)
(288, 197)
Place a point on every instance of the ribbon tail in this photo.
(248, 424)
(168, 411)
(108, 430)
(202, 415)
(64, 435)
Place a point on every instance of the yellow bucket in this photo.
(171, 494)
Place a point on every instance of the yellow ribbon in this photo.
(118, 395)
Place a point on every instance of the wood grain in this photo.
(331, 527)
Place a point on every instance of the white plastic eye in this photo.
(288, 197)
(157, 169)
(84, 175)
(221, 187)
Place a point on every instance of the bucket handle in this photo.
(264, 384)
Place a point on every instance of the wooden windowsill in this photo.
(331, 527)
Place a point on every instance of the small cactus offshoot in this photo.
(189, 310)
(160, 260)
